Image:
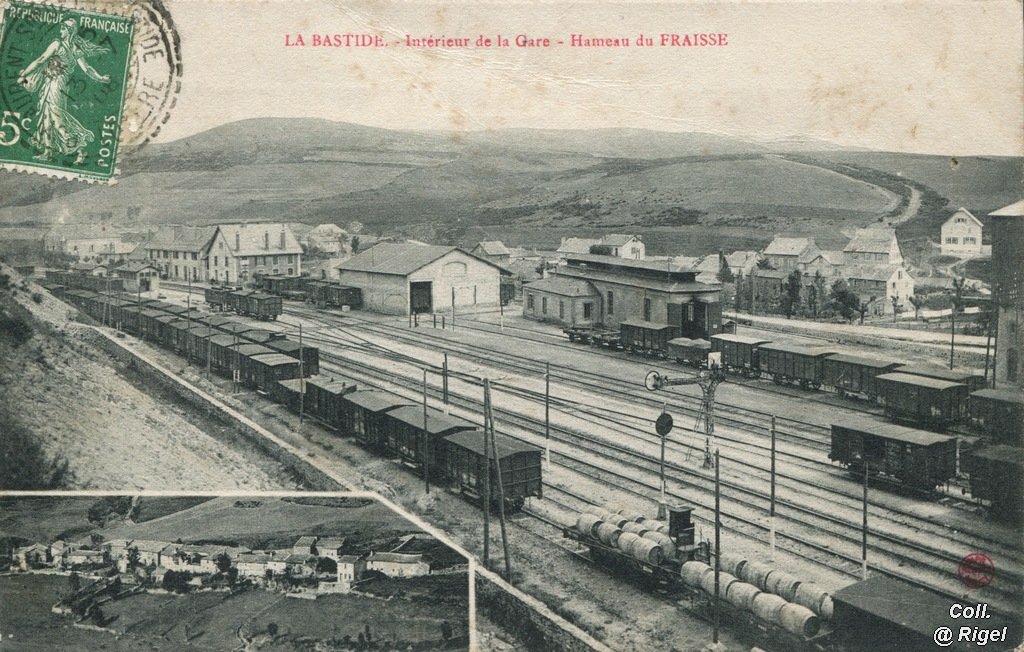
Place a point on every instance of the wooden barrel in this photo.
(656, 525)
(664, 541)
(587, 524)
(732, 563)
(707, 582)
(756, 572)
(782, 584)
(608, 534)
(596, 510)
(799, 620)
(633, 517)
(767, 606)
(634, 527)
(742, 595)
(826, 608)
(647, 551)
(811, 596)
(618, 520)
(626, 541)
(692, 571)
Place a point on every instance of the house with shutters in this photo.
(784, 254)
(961, 236)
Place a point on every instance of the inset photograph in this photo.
(246, 573)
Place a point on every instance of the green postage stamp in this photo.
(63, 74)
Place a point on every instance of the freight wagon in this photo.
(922, 401)
(997, 475)
(740, 354)
(790, 363)
(692, 353)
(854, 375)
(919, 459)
(403, 434)
(999, 413)
(646, 337)
(466, 460)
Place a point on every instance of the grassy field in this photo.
(209, 621)
(45, 518)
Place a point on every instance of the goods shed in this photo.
(405, 278)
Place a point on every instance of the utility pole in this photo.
(489, 432)
(864, 533)
(444, 382)
(302, 381)
(718, 544)
(771, 508)
(547, 414)
(958, 294)
(188, 336)
(487, 478)
(426, 436)
(453, 308)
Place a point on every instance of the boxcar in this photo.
(884, 614)
(130, 318)
(281, 285)
(233, 327)
(149, 326)
(922, 401)
(221, 351)
(689, 352)
(997, 475)
(264, 370)
(197, 343)
(368, 408)
(404, 426)
(214, 321)
(521, 471)
(330, 294)
(166, 329)
(999, 413)
(854, 374)
(217, 298)
(646, 337)
(973, 380)
(740, 354)
(310, 354)
(323, 401)
(793, 363)
(260, 335)
(256, 304)
(288, 393)
(916, 458)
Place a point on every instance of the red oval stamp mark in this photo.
(976, 570)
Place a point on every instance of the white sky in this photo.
(940, 77)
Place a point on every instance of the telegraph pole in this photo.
(547, 414)
(487, 477)
(302, 380)
(718, 543)
(771, 508)
(864, 533)
(426, 436)
(489, 432)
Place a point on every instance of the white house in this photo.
(396, 564)
(350, 570)
(784, 254)
(883, 284)
(960, 236)
(328, 238)
(330, 547)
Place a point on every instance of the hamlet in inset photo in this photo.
(295, 572)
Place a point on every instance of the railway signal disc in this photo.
(663, 425)
(652, 380)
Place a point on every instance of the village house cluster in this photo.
(312, 563)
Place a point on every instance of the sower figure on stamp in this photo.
(57, 131)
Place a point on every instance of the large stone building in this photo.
(404, 278)
(961, 236)
(880, 286)
(226, 253)
(615, 244)
(1007, 228)
(89, 243)
(618, 290)
(492, 250)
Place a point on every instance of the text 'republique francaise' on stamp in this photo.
(83, 82)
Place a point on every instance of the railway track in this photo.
(911, 553)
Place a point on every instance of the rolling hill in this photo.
(529, 186)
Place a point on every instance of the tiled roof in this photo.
(640, 282)
(1015, 209)
(493, 248)
(873, 273)
(873, 240)
(577, 245)
(617, 239)
(260, 239)
(563, 286)
(964, 211)
(134, 266)
(395, 557)
(788, 246)
(179, 237)
(400, 259)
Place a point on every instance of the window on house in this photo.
(1011, 365)
(647, 309)
(611, 303)
(561, 309)
(588, 310)
(544, 305)
(529, 301)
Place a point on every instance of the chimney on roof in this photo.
(266, 239)
(282, 238)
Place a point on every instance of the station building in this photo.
(607, 290)
(405, 278)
